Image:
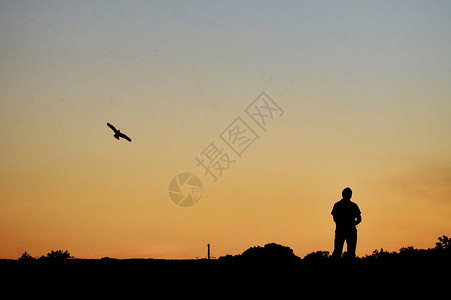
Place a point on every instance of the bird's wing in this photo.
(112, 127)
(125, 137)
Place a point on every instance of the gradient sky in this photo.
(365, 87)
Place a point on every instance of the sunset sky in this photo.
(365, 89)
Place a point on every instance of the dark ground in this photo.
(427, 274)
(258, 271)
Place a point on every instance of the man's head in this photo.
(347, 193)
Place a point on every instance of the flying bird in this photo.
(118, 134)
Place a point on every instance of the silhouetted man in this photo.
(346, 216)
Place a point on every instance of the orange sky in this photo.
(364, 88)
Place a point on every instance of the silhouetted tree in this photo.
(26, 257)
(444, 243)
(58, 255)
(269, 253)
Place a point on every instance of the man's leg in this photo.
(351, 242)
(338, 244)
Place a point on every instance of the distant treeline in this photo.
(281, 254)
(274, 253)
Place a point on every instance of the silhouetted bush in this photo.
(380, 255)
(410, 255)
(26, 257)
(270, 253)
(318, 256)
(58, 255)
(227, 258)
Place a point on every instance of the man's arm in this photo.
(333, 213)
(359, 219)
